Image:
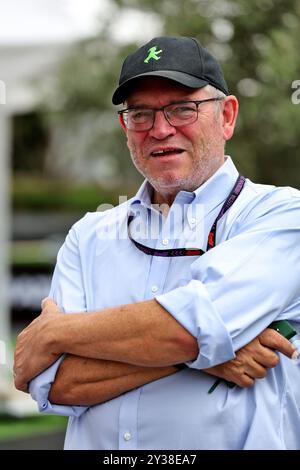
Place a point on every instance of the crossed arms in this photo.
(123, 348)
(119, 348)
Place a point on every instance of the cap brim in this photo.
(190, 81)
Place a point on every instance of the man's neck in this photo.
(166, 198)
(164, 201)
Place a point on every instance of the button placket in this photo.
(127, 436)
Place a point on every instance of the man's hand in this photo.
(82, 381)
(34, 349)
(253, 360)
(141, 334)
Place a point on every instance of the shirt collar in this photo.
(211, 193)
(217, 188)
(144, 194)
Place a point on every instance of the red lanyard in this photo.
(235, 192)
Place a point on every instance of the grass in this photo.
(30, 426)
(37, 194)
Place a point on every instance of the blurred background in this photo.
(62, 152)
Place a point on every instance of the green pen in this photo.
(283, 327)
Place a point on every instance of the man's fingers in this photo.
(274, 340)
(255, 370)
(48, 305)
(265, 356)
(253, 360)
(251, 367)
(47, 302)
(256, 351)
(244, 381)
(269, 358)
(22, 386)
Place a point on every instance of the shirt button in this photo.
(127, 436)
(193, 220)
(154, 288)
(165, 241)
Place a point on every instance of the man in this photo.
(193, 270)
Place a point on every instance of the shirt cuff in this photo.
(39, 389)
(192, 307)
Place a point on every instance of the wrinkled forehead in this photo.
(161, 89)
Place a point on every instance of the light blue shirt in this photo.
(224, 298)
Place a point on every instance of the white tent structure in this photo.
(34, 36)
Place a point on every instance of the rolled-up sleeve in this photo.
(39, 389)
(68, 292)
(243, 284)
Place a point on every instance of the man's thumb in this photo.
(47, 302)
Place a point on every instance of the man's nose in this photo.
(161, 127)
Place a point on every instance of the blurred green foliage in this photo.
(39, 194)
(257, 44)
(33, 254)
(30, 140)
(13, 427)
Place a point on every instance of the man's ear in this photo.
(121, 120)
(230, 113)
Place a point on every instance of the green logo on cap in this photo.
(153, 54)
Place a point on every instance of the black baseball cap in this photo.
(181, 59)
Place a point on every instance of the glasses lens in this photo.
(177, 114)
(181, 113)
(139, 119)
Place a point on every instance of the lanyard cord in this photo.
(234, 194)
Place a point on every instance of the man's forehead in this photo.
(153, 87)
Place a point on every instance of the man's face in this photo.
(193, 152)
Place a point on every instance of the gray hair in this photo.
(213, 92)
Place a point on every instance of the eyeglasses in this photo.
(183, 113)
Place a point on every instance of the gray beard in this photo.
(203, 170)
